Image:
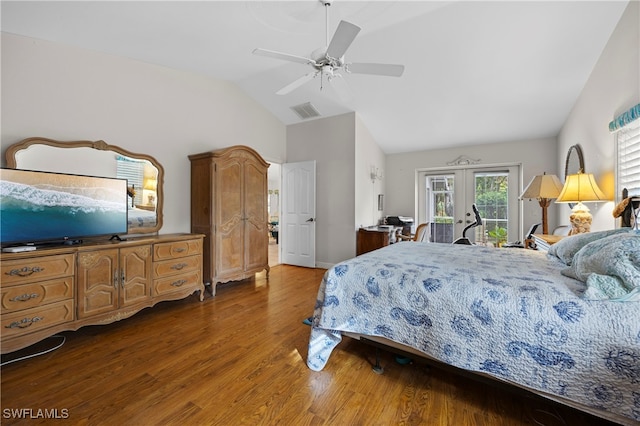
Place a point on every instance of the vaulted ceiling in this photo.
(475, 72)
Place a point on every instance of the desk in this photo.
(374, 237)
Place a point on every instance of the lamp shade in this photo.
(580, 187)
(150, 184)
(543, 186)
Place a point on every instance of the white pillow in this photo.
(567, 247)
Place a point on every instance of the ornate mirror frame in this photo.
(15, 158)
(574, 163)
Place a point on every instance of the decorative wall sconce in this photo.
(375, 174)
(463, 160)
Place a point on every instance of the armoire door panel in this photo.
(229, 221)
(229, 194)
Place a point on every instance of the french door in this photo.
(445, 197)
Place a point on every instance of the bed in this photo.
(563, 324)
(140, 218)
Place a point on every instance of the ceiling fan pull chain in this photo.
(326, 23)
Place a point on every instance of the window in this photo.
(627, 129)
(133, 171)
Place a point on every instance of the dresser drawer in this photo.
(25, 296)
(163, 251)
(34, 319)
(175, 266)
(36, 269)
(178, 282)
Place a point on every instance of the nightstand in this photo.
(544, 241)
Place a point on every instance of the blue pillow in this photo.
(567, 247)
(610, 267)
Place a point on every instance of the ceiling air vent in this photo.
(306, 110)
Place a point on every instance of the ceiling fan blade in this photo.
(297, 83)
(283, 56)
(340, 86)
(390, 70)
(342, 39)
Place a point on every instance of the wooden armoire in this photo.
(229, 206)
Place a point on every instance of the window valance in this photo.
(624, 119)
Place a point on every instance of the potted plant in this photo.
(499, 234)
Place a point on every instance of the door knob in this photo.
(311, 219)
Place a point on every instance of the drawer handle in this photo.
(24, 272)
(178, 283)
(179, 266)
(25, 297)
(180, 249)
(24, 323)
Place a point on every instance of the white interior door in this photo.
(298, 219)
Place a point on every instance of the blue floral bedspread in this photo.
(508, 313)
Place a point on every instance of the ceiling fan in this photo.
(328, 61)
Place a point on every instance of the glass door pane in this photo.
(440, 207)
(491, 198)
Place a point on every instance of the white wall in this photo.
(612, 88)
(66, 93)
(329, 141)
(536, 157)
(367, 155)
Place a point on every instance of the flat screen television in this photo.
(49, 207)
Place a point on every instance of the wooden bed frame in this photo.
(407, 351)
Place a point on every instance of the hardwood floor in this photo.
(239, 359)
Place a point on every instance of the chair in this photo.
(422, 234)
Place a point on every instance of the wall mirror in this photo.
(145, 175)
(574, 163)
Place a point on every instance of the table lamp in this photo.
(544, 188)
(578, 188)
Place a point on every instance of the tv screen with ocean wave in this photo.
(43, 206)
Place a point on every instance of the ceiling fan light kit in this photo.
(329, 60)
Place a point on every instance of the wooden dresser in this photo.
(229, 206)
(64, 288)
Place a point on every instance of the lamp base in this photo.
(580, 219)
